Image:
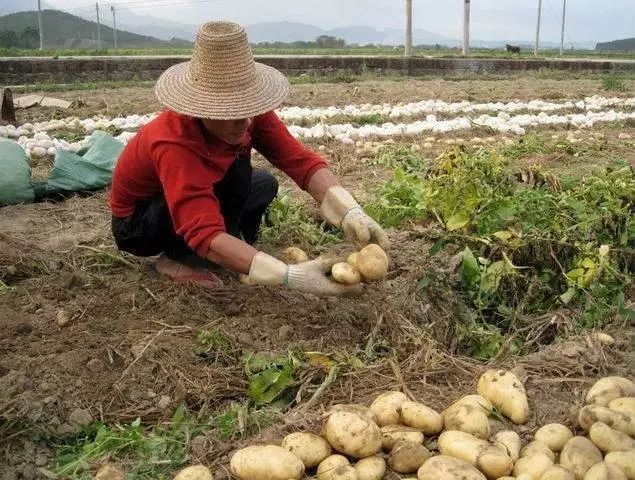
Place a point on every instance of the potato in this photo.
(610, 388)
(327, 467)
(490, 460)
(372, 262)
(407, 457)
(578, 455)
(510, 442)
(266, 462)
(110, 472)
(370, 468)
(533, 467)
(360, 410)
(352, 434)
(418, 415)
(554, 435)
(344, 472)
(345, 273)
(618, 421)
(537, 447)
(605, 471)
(469, 414)
(506, 392)
(609, 440)
(195, 472)
(352, 259)
(391, 434)
(294, 255)
(443, 467)
(386, 408)
(308, 447)
(624, 405)
(557, 472)
(624, 460)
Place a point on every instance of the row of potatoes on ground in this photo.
(397, 426)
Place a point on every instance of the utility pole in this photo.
(466, 27)
(538, 28)
(114, 24)
(564, 15)
(408, 51)
(98, 27)
(39, 23)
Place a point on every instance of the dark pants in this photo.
(243, 194)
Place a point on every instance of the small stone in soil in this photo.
(95, 365)
(164, 402)
(80, 417)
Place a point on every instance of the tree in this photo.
(328, 41)
(30, 37)
(8, 38)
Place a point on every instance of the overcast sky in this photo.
(587, 20)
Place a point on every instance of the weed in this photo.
(288, 222)
(153, 454)
(401, 157)
(238, 420)
(528, 247)
(614, 84)
(370, 119)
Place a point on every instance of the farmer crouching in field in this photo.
(185, 183)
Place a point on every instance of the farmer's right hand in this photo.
(310, 277)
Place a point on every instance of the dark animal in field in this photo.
(512, 48)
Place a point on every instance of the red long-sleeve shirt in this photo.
(171, 155)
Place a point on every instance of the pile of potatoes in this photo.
(369, 264)
(361, 443)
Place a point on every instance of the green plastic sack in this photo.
(15, 174)
(89, 169)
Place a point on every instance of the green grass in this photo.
(349, 50)
(614, 84)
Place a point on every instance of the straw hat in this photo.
(221, 81)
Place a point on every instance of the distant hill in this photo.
(626, 45)
(62, 29)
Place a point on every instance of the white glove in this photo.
(310, 277)
(339, 208)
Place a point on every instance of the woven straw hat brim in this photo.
(177, 92)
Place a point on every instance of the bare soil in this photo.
(131, 338)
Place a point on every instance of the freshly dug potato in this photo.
(111, 472)
(624, 460)
(470, 415)
(352, 259)
(195, 472)
(352, 434)
(391, 434)
(360, 410)
(609, 440)
(294, 255)
(327, 467)
(554, 435)
(618, 421)
(448, 468)
(407, 457)
(557, 472)
(605, 471)
(372, 262)
(625, 405)
(266, 462)
(386, 408)
(506, 392)
(370, 468)
(579, 455)
(308, 447)
(535, 447)
(510, 442)
(345, 273)
(533, 467)
(418, 415)
(610, 388)
(344, 472)
(490, 460)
